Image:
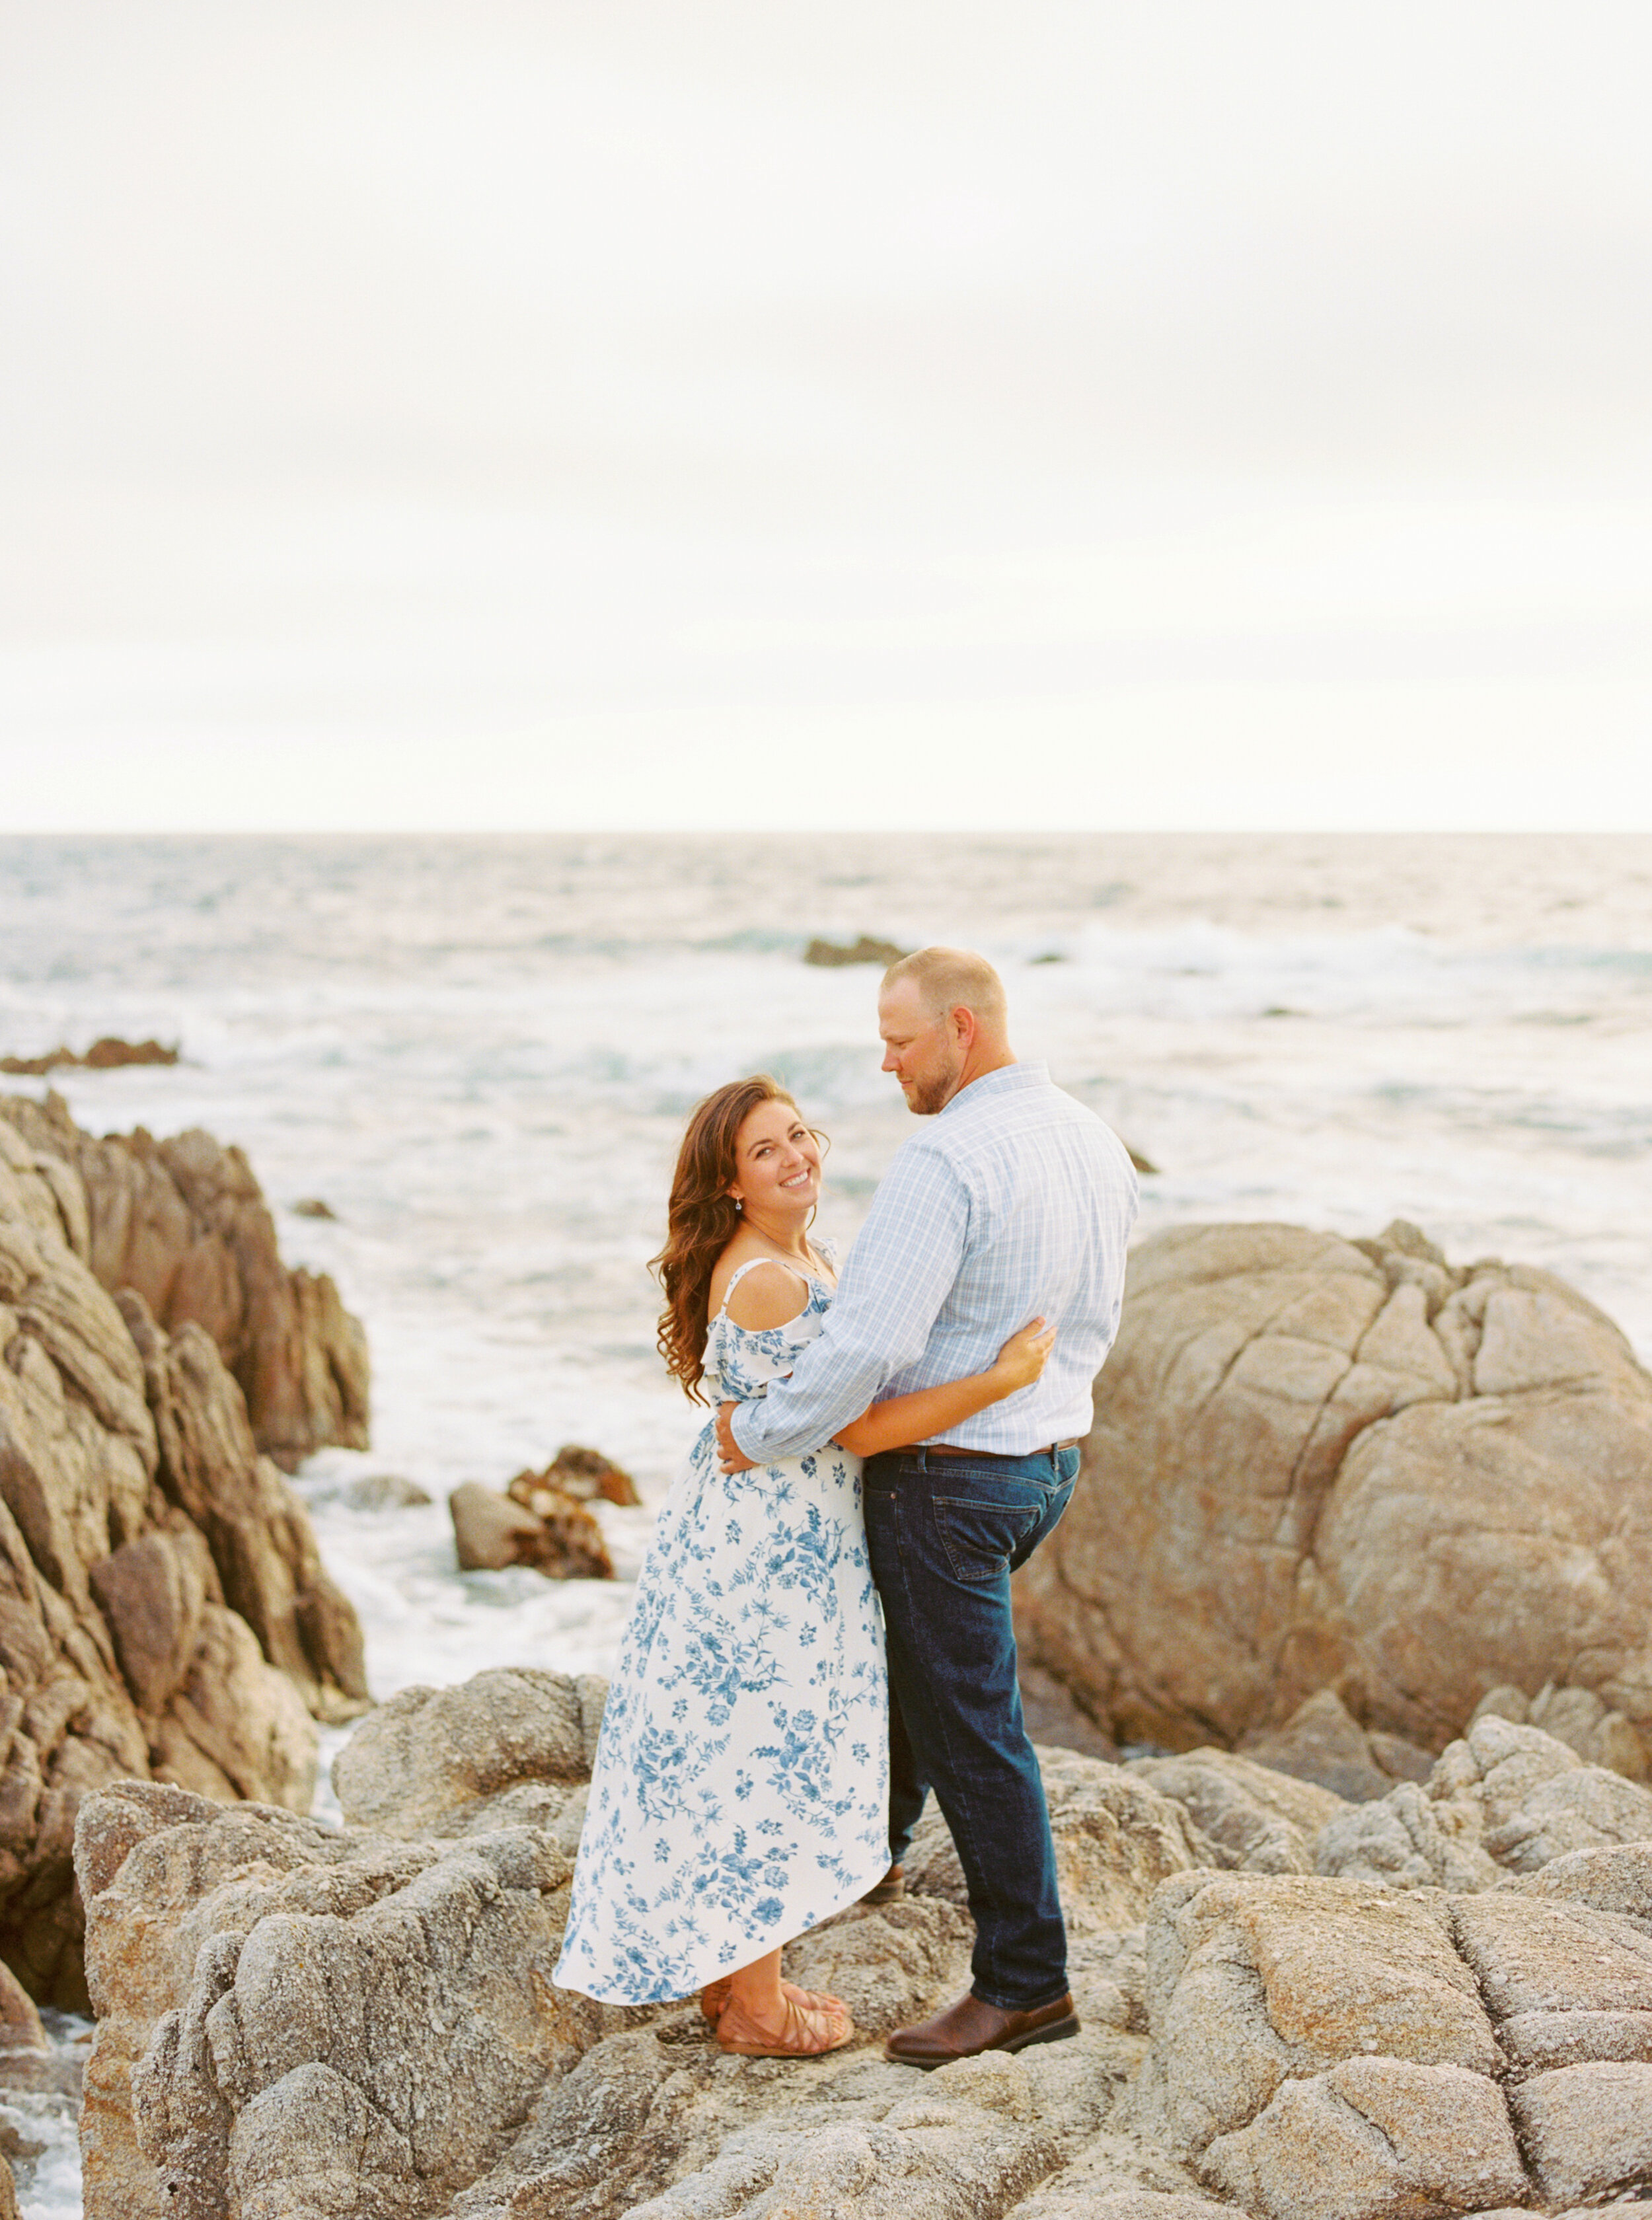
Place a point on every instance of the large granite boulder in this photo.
(297, 2022)
(184, 1222)
(1322, 1464)
(163, 1612)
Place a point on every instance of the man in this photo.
(1016, 1202)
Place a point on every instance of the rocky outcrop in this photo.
(1321, 1464)
(833, 954)
(295, 2021)
(185, 1224)
(580, 1473)
(163, 1612)
(558, 1537)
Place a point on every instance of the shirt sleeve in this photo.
(900, 1272)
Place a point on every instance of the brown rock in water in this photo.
(295, 2022)
(832, 954)
(108, 1054)
(577, 1472)
(1322, 1465)
(185, 1224)
(139, 1534)
(563, 1542)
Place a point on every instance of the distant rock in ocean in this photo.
(557, 1536)
(831, 954)
(164, 1610)
(108, 1054)
(1292, 2007)
(1319, 1464)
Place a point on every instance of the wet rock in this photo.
(563, 1542)
(109, 1053)
(1320, 1465)
(383, 1491)
(311, 1205)
(184, 1223)
(575, 1472)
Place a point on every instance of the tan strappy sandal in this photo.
(799, 2039)
(714, 1997)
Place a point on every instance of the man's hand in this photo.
(730, 1456)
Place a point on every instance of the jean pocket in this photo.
(981, 1538)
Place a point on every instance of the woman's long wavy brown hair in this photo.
(701, 1221)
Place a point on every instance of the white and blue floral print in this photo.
(741, 1785)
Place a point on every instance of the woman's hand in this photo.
(731, 1457)
(1023, 1357)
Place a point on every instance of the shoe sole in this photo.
(1058, 2031)
(885, 1893)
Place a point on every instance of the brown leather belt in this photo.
(997, 1456)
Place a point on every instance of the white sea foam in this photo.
(480, 1054)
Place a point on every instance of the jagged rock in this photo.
(1317, 1464)
(1576, 1716)
(575, 1472)
(1247, 1816)
(139, 1533)
(1323, 1742)
(295, 2022)
(563, 1542)
(1528, 1798)
(107, 1053)
(185, 1224)
(7, 2192)
(1405, 1841)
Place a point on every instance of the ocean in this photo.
(479, 1053)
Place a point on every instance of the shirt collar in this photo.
(1008, 1077)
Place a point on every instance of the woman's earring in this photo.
(739, 1204)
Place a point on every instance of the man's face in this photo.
(923, 1051)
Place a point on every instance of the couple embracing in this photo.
(821, 1632)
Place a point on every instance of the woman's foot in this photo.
(798, 2031)
(714, 1997)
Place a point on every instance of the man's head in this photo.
(944, 1022)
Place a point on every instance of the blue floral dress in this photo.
(741, 1785)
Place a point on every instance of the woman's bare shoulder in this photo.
(770, 1294)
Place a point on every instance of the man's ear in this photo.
(962, 1022)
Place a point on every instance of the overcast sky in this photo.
(506, 412)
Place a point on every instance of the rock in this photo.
(1528, 1799)
(1588, 2129)
(294, 2021)
(832, 954)
(311, 1205)
(575, 1472)
(1322, 1742)
(107, 1054)
(1246, 1815)
(490, 1532)
(158, 1581)
(1318, 1465)
(1052, 1717)
(1405, 1841)
(185, 1224)
(427, 1760)
(383, 1491)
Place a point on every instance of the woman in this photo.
(740, 1787)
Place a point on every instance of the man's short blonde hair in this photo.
(952, 978)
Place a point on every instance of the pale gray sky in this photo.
(510, 413)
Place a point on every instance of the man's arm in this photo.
(900, 1273)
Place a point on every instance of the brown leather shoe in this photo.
(966, 2028)
(893, 1885)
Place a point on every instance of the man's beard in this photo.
(931, 1096)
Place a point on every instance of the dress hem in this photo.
(745, 1957)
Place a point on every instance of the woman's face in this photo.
(777, 1164)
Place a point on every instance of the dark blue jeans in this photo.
(946, 1530)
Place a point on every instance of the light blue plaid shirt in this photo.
(1015, 1202)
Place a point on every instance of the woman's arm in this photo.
(930, 1411)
